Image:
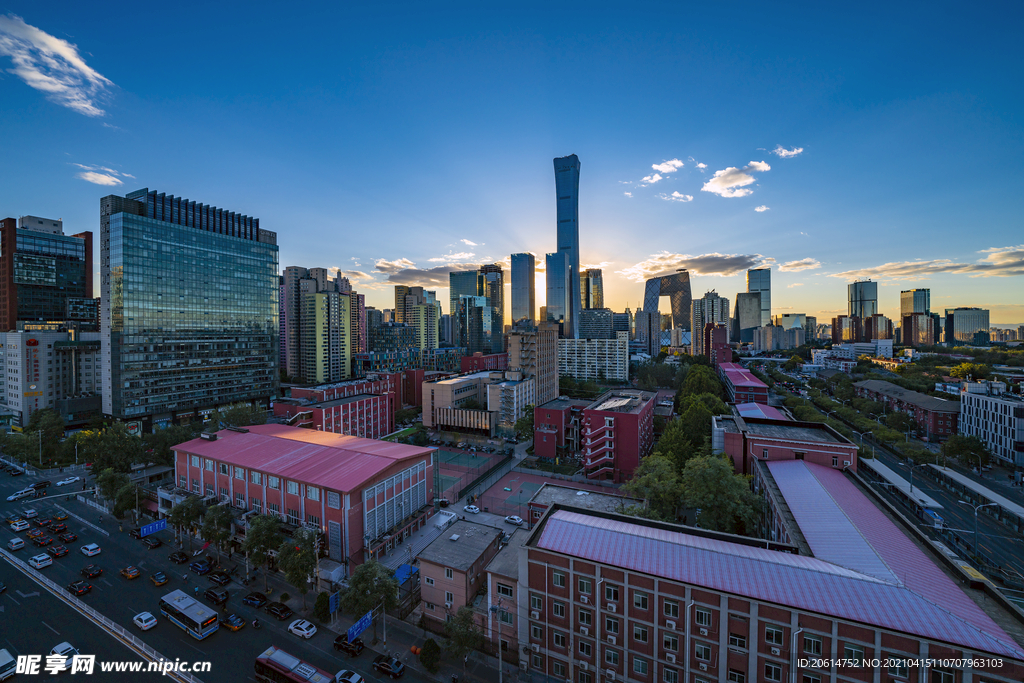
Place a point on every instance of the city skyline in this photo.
(896, 166)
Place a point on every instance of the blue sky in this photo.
(397, 142)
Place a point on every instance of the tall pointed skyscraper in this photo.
(567, 191)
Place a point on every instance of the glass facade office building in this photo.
(863, 299)
(760, 280)
(567, 191)
(189, 312)
(558, 290)
(524, 299)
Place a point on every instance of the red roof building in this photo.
(742, 385)
(749, 439)
(365, 496)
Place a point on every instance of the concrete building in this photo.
(847, 329)
(442, 360)
(597, 323)
(556, 427)
(594, 359)
(452, 569)
(48, 366)
(193, 325)
(966, 326)
(592, 288)
(741, 385)
(759, 280)
(445, 401)
(326, 341)
(747, 316)
(623, 322)
(937, 417)
(862, 299)
(567, 205)
(711, 308)
(419, 309)
(524, 298)
(500, 608)
(918, 329)
(510, 399)
(45, 275)
(392, 337)
(877, 326)
(616, 432)
(748, 440)
(534, 351)
(365, 496)
(648, 332)
(778, 338)
(989, 412)
(549, 495)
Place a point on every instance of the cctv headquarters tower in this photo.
(567, 190)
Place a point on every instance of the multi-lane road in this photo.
(33, 621)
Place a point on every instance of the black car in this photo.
(352, 649)
(201, 567)
(279, 610)
(135, 533)
(152, 543)
(92, 571)
(178, 557)
(40, 484)
(217, 596)
(69, 537)
(58, 527)
(255, 599)
(80, 587)
(42, 541)
(389, 666)
(218, 577)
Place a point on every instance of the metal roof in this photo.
(740, 376)
(983, 491)
(901, 484)
(796, 581)
(918, 399)
(335, 461)
(759, 410)
(461, 545)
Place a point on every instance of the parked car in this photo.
(18, 495)
(302, 628)
(217, 596)
(201, 567)
(80, 587)
(346, 676)
(178, 557)
(68, 537)
(514, 519)
(68, 480)
(135, 533)
(279, 610)
(40, 484)
(90, 549)
(92, 571)
(233, 622)
(351, 649)
(473, 509)
(255, 599)
(221, 578)
(389, 666)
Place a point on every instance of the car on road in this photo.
(11, 519)
(29, 514)
(58, 527)
(44, 522)
(514, 519)
(389, 666)
(472, 509)
(278, 609)
(35, 533)
(351, 649)
(158, 579)
(57, 550)
(20, 525)
(346, 676)
(65, 650)
(201, 567)
(42, 541)
(40, 484)
(16, 472)
(152, 543)
(80, 587)
(61, 517)
(135, 533)
(130, 572)
(255, 599)
(302, 628)
(178, 557)
(15, 544)
(233, 622)
(217, 596)
(18, 495)
(144, 620)
(68, 537)
(91, 571)
(68, 480)
(219, 577)
(40, 561)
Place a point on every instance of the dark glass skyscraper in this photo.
(558, 290)
(488, 282)
(567, 191)
(592, 288)
(863, 299)
(760, 280)
(189, 308)
(524, 299)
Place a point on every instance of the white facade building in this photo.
(995, 416)
(594, 359)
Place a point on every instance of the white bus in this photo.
(195, 618)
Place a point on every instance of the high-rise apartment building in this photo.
(877, 327)
(648, 331)
(534, 350)
(863, 299)
(290, 309)
(967, 326)
(487, 282)
(594, 359)
(847, 329)
(711, 308)
(918, 329)
(567, 191)
(623, 322)
(189, 308)
(558, 291)
(45, 275)
(477, 325)
(592, 288)
(811, 328)
(326, 337)
(597, 323)
(524, 297)
(760, 280)
(418, 307)
(747, 316)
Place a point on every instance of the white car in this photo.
(302, 628)
(20, 525)
(90, 550)
(69, 480)
(18, 495)
(514, 519)
(346, 676)
(473, 509)
(29, 514)
(67, 651)
(144, 620)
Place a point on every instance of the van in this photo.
(40, 561)
(15, 544)
(18, 495)
(7, 665)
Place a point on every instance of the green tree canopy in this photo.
(675, 444)
(524, 425)
(656, 481)
(262, 535)
(462, 633)
(701, 379)
(724, 498)
(216, 528)
(238, 415)
(793, 363)
(161, 441)
(185, 516)
(297, 558)
(975, 371)
(970, 450)
(371, 585)
(109, 482)
(113, 447)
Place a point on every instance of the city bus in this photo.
(274, 665)
(195, 618)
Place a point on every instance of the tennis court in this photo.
(457, 469)
(459, 459)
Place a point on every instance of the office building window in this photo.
(611, 593)
(703, 617)
(584, 586)
(586, 649)
(559, 639)
(671, 642)
(640, 666)
(536, 602)
(773, 635)
(772, 672)
(640, 600)
(703, 652)
(611, 657)
(195, 461)
(558, 609)
(239, 473)
(640, 634)
(671, 609)
(273, 482)
(558, 579)
(812, 645)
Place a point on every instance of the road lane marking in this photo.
(50, 627)
(15, 601)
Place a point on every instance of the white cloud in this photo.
(676, 197)
(784, 153)
(670, 166)
(651, 179)
(448, 258)
(468, 243)
(698, 165)
(761, 209)
(665, 263)
(628, 194)
(52, 66)
(725, 182)
(98, 178)
(602, 264)
(802, 264)
(795, 284)
(999, 262)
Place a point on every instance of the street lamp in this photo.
(976, 508)
(912, 468)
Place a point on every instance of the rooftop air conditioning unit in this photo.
(584, 631)
(703, 631)
(611, 640)
(671, 658)
(670, 625)
(847, 463)
(703, 666)
(611, 606)
(776, 651)
(534, 614)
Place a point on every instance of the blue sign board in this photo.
(335, 601)
(360, 626)
(156, 526)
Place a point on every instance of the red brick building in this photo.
(741, 385)
(938, 417)
(479, 362)
(365, 496)
(367, 415)
(556, 427)
(617, 431)
(749, 439)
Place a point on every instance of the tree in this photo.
(701, 380)
(901, 422)
(297, 558)
(967, 449)
(973, 371)
(51, 424)
(695, 423)
(186, 515)
(471, 404)
(125, 500)
(262, 535)
(724, 498)
(656, 481)
(238, 415)
(675, 445)
(322, 607)
(113, 447)
(216, 528)
(372, 585)
(158, 444)
(109, 482)
(462, 634)
(793, 363)
(430, 657)
(524, 425)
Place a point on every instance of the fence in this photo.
(500, 505)
(489, 478)
(458, 473)
(125, 636)
(29, 468)
(579, 478)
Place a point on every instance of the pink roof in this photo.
(335, 461)
(740, 376)
(796, 581)
(759, 410)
